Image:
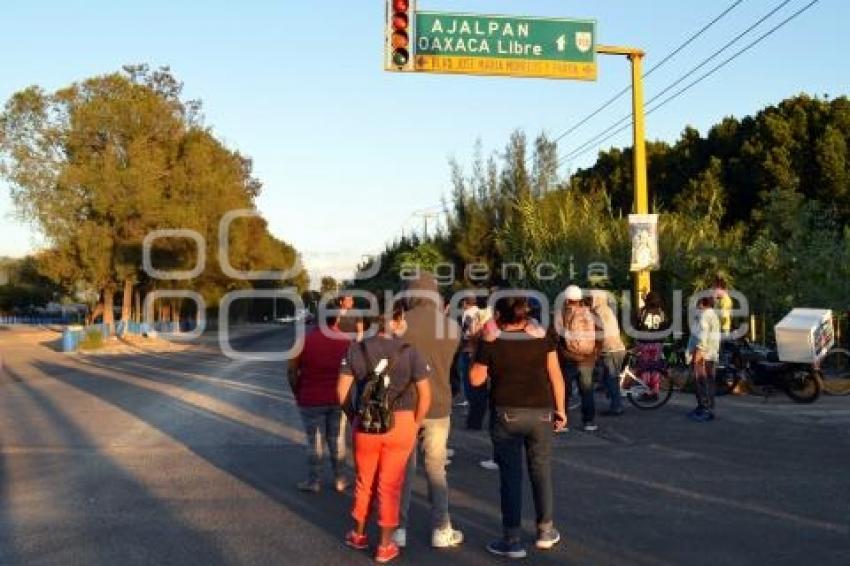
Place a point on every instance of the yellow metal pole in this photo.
(641, 278)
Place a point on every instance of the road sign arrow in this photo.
(562, 43)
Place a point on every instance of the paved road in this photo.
(191, 458)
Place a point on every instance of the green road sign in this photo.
(505, 45)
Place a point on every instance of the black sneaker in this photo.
(509, 548)
(612, 413)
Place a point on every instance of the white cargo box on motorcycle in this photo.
(804, 335)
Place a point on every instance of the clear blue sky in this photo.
(347, 152)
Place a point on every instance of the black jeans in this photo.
(513, 429)
(479, 399)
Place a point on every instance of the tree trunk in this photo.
(108, 309)
(94, 313)
(138, 314)
(127, 301)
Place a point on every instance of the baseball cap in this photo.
(573, 293)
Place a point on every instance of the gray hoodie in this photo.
(611, 340)
(435, 336)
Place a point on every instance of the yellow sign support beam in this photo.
(642, 283)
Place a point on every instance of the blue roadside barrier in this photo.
(10, 320)
(71, 337)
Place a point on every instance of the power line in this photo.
(427, 212)
(728, 60)
(655, 67)
(584, 147)
(627, 118)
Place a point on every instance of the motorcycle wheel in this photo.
(803, 386)
(726, 380)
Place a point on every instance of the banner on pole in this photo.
(643, 232)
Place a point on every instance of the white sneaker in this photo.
(400, 537)
(446, 538)
(489, 465)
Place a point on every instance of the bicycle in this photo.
(636, 382)
(834, 370)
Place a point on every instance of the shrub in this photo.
(92, 341)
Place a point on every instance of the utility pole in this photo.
(425, 215)
(642, 282)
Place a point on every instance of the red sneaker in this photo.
(387, 552)
(358, 542)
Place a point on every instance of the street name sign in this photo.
(505, 46)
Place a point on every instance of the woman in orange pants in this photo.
(381, 459)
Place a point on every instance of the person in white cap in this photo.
(581, 344)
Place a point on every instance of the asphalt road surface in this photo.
(192, 458)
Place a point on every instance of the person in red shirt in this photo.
(313, 376)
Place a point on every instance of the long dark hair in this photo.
(512, 310)
(653, 301)
(387, 313)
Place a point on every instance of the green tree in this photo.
(98, 165)
(328, 285)
(424, 257)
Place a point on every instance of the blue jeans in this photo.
(612, 363)
(324, 426)
(434, 438)
(513, 430)
(584, 376)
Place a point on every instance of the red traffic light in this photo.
(400, 21)
(399, 46)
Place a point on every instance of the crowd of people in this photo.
(390, 380)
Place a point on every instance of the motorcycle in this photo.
(761, 370)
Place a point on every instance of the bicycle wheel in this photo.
(641, 395)
(835, 372)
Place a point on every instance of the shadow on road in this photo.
(7, 548)
(267, 466)
(96, 504)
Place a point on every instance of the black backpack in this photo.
(374, 407)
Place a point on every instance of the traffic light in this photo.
(400, 35)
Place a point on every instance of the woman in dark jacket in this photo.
(527, 396)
